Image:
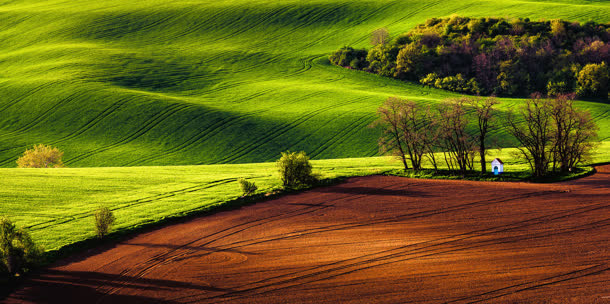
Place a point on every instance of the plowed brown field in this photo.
(373, 239)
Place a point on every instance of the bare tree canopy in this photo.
(380, 36)
(455, 140)
(484, 111)
(407, 130)
(552, 132)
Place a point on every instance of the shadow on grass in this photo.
(92, 246)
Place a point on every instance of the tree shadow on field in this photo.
(373, 191)
(56, 286)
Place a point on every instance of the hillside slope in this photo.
(115, 83)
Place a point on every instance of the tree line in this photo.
(492, 56)
(554, 135)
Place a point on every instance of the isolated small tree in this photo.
(41, 156)
(295, 169)
(535, 134)
(380, 36)
(484, 111)
(104, 219)
(247, 187)
(18, 252)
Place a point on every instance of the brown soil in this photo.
(373, 239)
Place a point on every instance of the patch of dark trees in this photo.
(492, 56)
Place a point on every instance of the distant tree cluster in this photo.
(492, 56)
(554, 135)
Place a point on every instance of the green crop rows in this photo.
(118, 83)
(115, 83)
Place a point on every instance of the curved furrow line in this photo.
(432, 247)
(227, 36)
(409, 216)
(159, 21)
(152, 122)
(350, 129)
(38, 120)
(397, 258)
(45, 114)
(279, 131)
(129, 204)
(212, 130)
(24, 95)
(172, 254)
(510, 290)
(407, 252)
(94, 121)
(306, 64)
(320, 16)
(338, 31)
(90, 124)
(427, 5)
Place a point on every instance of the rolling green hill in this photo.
(128, 83)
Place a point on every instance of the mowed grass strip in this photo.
(115, 83)
(57, 205)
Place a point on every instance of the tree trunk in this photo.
(483, 162)
(12, 263)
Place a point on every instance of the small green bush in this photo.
(295, 169)
(104, 219)
(18, 252)
(247, 187)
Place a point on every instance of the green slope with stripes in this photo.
(124, 83)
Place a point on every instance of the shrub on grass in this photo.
(247, 187)
(18, 252)
(104, 219)
(295, 169)
(41, 156)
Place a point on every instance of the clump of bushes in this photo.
(18, 252)
(295, 170)
(349, 57)
(493, 56)
(41, 156)
(247, 187)
(104, 219)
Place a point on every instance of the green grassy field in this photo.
(221, 83)
(123, 83)
(57, 205)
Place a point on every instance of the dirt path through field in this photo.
(370, 240)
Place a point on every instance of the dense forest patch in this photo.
(492, 56)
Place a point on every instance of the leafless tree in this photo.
(574, 132)
(456, 141)
(484, 111)
(406, 130)
(553, 133)
(380, 36)
(535, 134)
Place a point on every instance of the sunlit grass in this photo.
(123, 83)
